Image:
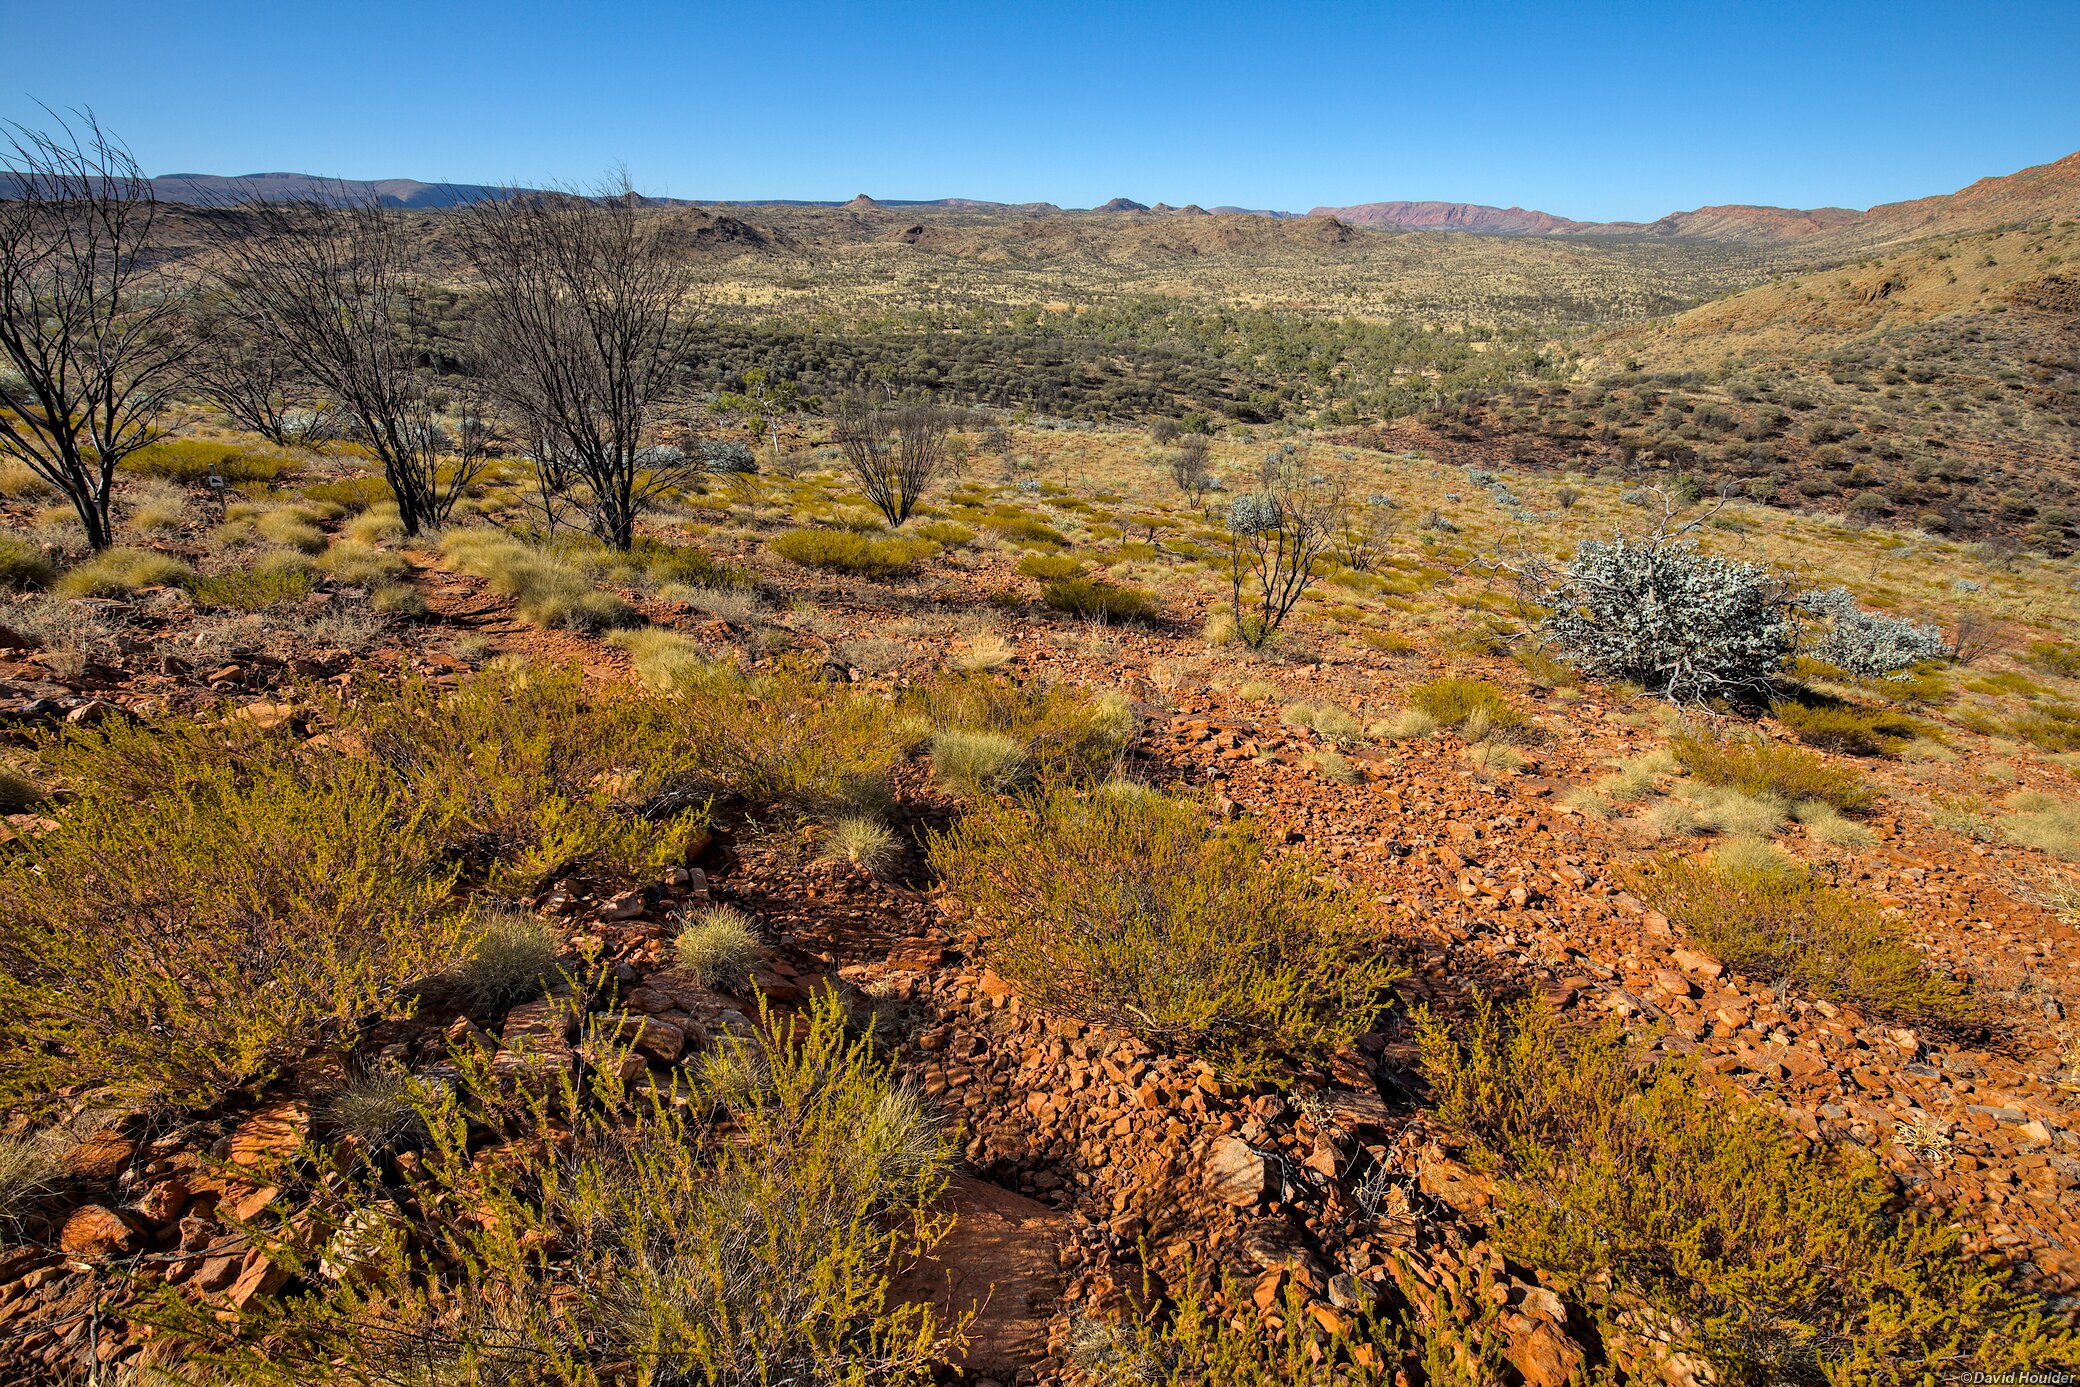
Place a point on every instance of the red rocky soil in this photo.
(1082, 1146)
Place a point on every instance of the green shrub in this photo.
(190, 460)
(1458, 699)
(1058, 733)
(1049, 567)
(120, 572)
(1630, 1180)
(1757, 766)
(1833, 724)
(1089, 598)
(250, 590)
(862, 556)
(1135, 910)
(718, 948)
(540, 776)
(1782, 923)
(748, 1233)
(211, 905)
(23, 565)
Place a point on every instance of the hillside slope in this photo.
(2046, 191)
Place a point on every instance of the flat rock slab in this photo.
(1003, 1257)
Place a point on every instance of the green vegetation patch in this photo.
(1134, 909)
(1776, 921)
(1633, 1180)
(862, 556)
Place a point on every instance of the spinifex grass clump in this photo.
(1136, 910)
(996, 734)
(749, 1234)
(1099, 601)
(1777, 921)
(1462, 702)
(1652, 1188)
(547, 590)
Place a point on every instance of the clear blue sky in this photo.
(1589, 110)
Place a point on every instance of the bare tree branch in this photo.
(89, 326)
(582, 299)
(894, 451)
(334, 281)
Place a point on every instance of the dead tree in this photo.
(90, 333)
(335, 283)
(1190, 468)
(895, 451)
(582, 307)
(1276, 538)
(250, 379)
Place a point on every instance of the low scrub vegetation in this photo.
(1754, 765)
(862, 556)
(748, 1233)
(1852, 729)
(1099, 601)
(1776, 921)
(1639, 1184)
(208, 908)
(218, 898)
(1186, 933)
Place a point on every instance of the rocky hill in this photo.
(2034, 194)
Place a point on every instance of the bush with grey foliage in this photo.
(1683, 624)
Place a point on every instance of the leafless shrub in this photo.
(337, 285)
(89, 337)
(582, 299)
(895, 451)
(1189, 467)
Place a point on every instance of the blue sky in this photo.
(1590, 110)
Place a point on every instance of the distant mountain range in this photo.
(2047, 190)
